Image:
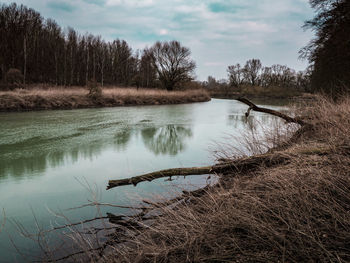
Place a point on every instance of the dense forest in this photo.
(45, 53)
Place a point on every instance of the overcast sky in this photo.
(218, 32)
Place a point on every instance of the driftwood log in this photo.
(239, 165)
(236, 166)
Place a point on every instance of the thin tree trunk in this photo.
(2, 72)
(94, 65)
(56, 67)
(87, 66)
(102, 67)
(25, 60)
(148, 73)
(65, 65)
(71, 66)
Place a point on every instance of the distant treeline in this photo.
(254, 74)
(43, 52)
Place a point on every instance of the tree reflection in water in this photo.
(169, 139)
(122, 138)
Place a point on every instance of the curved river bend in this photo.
(49, 159)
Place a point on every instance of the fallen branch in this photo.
(287, 118)
(239, 165)
(159, 174)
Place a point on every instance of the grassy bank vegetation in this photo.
(78, 97)
(297, 211)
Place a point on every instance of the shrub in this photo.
(189, 85)
(14, 79)
(95, 91)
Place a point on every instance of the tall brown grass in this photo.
(39, 98)
(295, 212)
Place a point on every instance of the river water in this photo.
(50, 160)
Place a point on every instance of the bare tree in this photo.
(71, 48)
(251, 71)
(235, 74)
(147, 70)
(172, 63)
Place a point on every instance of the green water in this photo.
(49, 159)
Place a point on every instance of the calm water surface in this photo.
(48, 159)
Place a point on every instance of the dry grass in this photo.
(296, 212)
(39, 98)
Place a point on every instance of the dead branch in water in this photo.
(285, 117)
(235, 166)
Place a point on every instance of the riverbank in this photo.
(257, 92)
(293, 210)
(260, 97)
(54, 98)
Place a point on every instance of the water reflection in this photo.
(252, 122)
(36, 162)
(237, 120)
(31, 143)
(122, 138)
(34, 155)
(166, 140)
